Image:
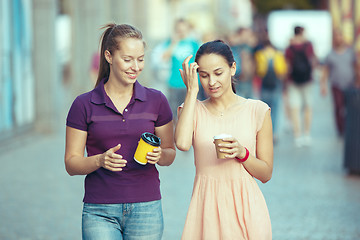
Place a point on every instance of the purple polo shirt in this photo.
(95, 113)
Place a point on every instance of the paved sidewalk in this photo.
(309, 197)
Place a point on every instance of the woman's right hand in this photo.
(111, 161)
(189, 74)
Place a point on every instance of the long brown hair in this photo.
(110, 40)
(220, 48)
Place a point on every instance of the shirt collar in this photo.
(98, 95)
(139, 92)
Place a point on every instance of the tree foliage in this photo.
(266, 6)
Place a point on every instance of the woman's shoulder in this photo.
(81, 104)
(151, 90)
(257, 111)
(154, 94)
(253, 101)
(256, 103)
(84, 97)
(198, 104)
(86, 94)
(201, 104)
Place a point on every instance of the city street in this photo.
(310, 195)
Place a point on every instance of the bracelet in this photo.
(245, 158)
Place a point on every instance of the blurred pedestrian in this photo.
(271, 68)
(301, 61)
(226, 202)
(181, 45)
(243, 46)
(236, 45)
(339, 69)
(160, 68)
(122, 198)
(352, 130)
(94, 67)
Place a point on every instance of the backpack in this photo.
(301, 66)
(270, 80)
(270, 67)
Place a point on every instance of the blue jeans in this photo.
(272, 98)
(127, 221)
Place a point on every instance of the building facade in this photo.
(16, 66)
(46, 48)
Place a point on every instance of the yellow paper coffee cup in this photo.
(147, 143)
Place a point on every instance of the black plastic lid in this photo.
(151, 139)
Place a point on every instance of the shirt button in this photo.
(126, 110)
(123, 120)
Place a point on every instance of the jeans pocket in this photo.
(145, 221)
(100, 221)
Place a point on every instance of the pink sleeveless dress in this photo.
(226, 201)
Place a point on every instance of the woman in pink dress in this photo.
(226, 202)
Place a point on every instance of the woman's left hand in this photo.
(154, 156)
(232, 148)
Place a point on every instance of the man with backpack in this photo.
(301, 61)
(271, 68)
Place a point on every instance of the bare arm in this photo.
(165, 155)
(357, 72)
(185, 125)
(261, 166)
(77, 164)
(324, 79)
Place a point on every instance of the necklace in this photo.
(220, 112)
(226, 108)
